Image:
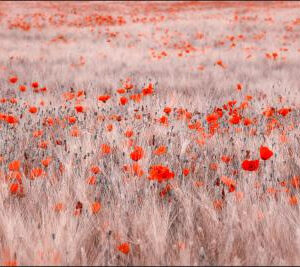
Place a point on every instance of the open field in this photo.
(149, 133)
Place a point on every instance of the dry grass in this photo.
(184, 227)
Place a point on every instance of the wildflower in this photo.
(121, 91)
(250, 165)
(72, 120)
(137, 154)
(167, 110)
(128, 133)
(225, 159)
(46, 161)
(95, 169)
(35, 85)
(11, 119)
(220, 63)
(212, 117)
(239, 86)
(79, 108)
(14, 188)
(295, 182)
(124, 248)
(58, 207)
(35, 173)
(284, 111)
(148, 90)
(103, 98)
(247, 121)
(185, 171)
(13, 79)
(14, 165)
(269, 112)
(265, 153)
(230, 183)
(235, 119)
(91, 180)
(164, 120)
(105, 149)
(22, 88)
(37, 133)
(293, 200)
(96, 206)
(160, 150)
(160, 173)
(123, 100)
(33, 109)
(165, 190)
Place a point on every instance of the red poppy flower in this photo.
(225, 159)
(165, 191)
(36, 172)
(284, 111)
(35, 85)
(212, 117)
(137, 154)
(229, 182)
(167, 110)
(148, 90)
(95, 207)
(128, 133)
(14, 165)
(33, 109)
(37, 133)
(160, 150)
(250, 165)
(123, 100)
(91, 180)
(79, 108)
(164, 120)
(58, 207)
(160, 173)
(103, 98)
(275, 55)
(22, 88)
(136, 97)
(293, 200)
(46, 161)
(219, 111)
(105, 149)
(220, 63)
(269, 112)
(231, 103)
(43, 144)
(235, 119)
(11, 119)
(247, 122)
(124, 248)
(239, 86)
(13, 79)
(121, 91)
(128, 86)
(72, 120)
(14, 188)
(95, 169)
(265, 153)
(185, 171)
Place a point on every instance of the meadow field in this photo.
(149, 133)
